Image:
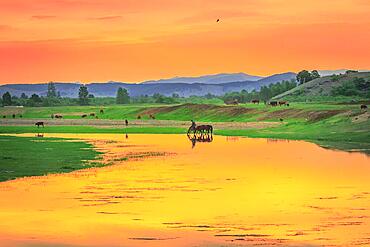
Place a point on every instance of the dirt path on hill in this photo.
(101, 123)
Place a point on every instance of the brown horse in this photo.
(38, 124)
(204, 129)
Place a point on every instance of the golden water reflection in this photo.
(231, 191)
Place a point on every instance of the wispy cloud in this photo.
(43, 17)
(106, 18)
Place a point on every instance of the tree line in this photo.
(264, 94)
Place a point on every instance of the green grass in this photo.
(297, 122)
(31, 156)
(131, 111)
(90, 129)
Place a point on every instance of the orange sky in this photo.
(133, 40)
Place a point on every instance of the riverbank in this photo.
(33, 156)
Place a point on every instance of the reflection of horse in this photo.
(40, 135)
(202, 138)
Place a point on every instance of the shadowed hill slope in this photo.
(324, 86)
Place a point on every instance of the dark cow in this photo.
(363, 107)
(4, 116)
(58, 116)
(101, 111)
(84, 115)
(38, 124)
(138, 117)
(92, 114)
(273, 103)
(13, 115)
(255, 101)
(126, 122)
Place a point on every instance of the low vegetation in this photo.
(32, 156)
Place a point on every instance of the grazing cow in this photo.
(273, 103)
(101, 111)
(92, 114)
(38, 124)
(58, 116)
(281, 120)
(282, 103)
(126, 122)
(13, 115)
(255, 101)
(84, 115)
(138, 117)
(363, 107)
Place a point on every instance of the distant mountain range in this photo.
(184, 86)
(209, 79)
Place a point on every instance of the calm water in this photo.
(229, 192)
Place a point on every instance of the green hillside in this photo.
(347, 87)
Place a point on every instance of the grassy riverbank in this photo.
(31, 156)
(338, 124)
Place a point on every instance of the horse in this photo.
(273, 103)
(202, 129)
(363, 107)
(126, 122)
(101, 111)
(92, 114)
(282, 103)
(255, 101)
(39, 123)
(58, 116)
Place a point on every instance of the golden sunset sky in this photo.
(136, 40)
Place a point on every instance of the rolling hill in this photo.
(323, 86)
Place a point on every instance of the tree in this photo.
(303, 76)
(52, 92)
(7, 99)
(24, 96)
(314, 74)
(306, 76)
(35, 98)
(122, 96)
(83, 94)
